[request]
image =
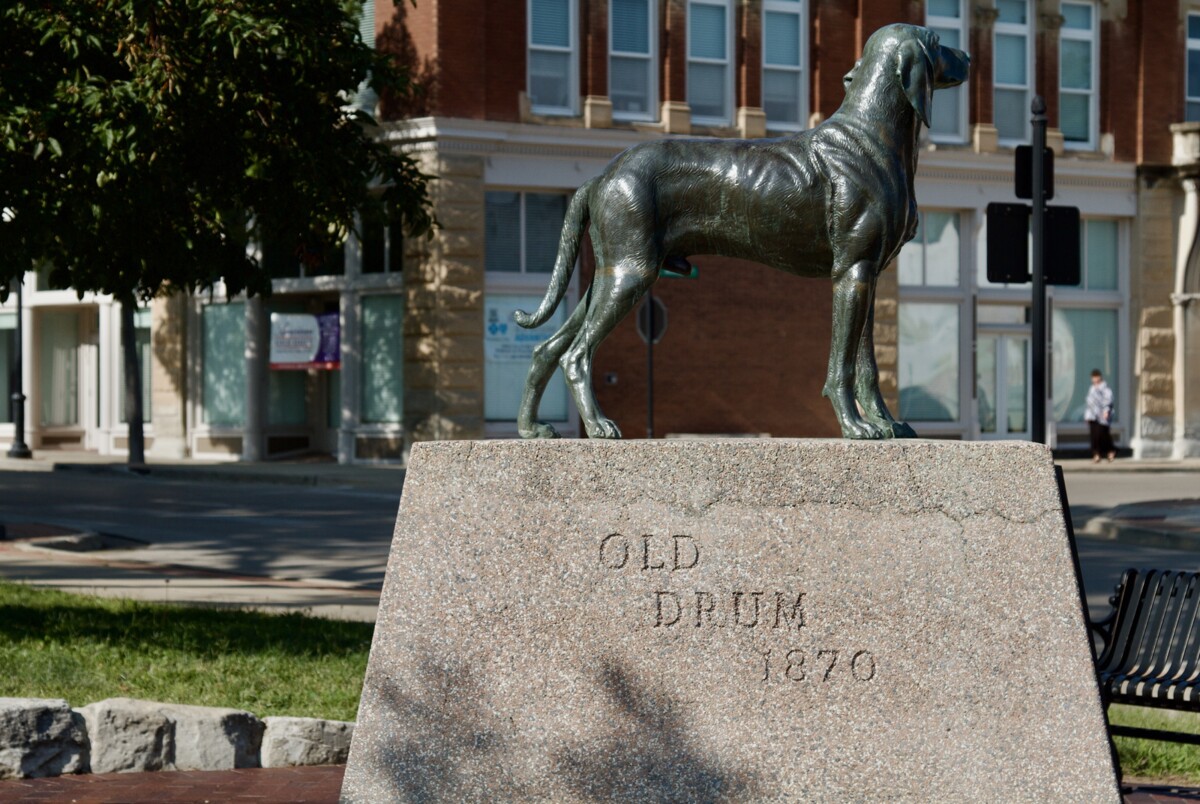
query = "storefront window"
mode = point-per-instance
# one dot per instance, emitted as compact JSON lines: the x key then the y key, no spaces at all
{"x":59,"y":368}
{"x":287,"y":402}
{"x":1083,"y":340}
{"x":931,"y":258}
{"x":929,"y":387}
{"x":224,"y":400}
{"x":507,"y":352}
{"x":383,"y":359}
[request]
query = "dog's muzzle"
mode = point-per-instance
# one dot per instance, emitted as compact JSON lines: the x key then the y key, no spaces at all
{"x":952,"y":67}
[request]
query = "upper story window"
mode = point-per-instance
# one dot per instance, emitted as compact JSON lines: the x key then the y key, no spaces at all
{"x":1192,"y":113}
{"x":1078,"y":75}
{"x":710,"y":62}
{"x":632,"y":74}
{"x":784,"y":88}
{"x":521,"y":231}
{"x":553,"y":64}
{"x":1013,"y":71}
{"x":948,"y":18}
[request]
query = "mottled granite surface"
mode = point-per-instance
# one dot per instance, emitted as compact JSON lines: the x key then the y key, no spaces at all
{"x":780,"y":620}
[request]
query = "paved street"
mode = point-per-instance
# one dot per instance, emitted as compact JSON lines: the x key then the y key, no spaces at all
{"x":316,"y":536}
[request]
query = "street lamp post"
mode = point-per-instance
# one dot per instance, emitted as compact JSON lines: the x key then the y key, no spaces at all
{"x":19,"y":448}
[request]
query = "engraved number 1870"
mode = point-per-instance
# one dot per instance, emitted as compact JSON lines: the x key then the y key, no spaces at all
{"x":824,"y":665}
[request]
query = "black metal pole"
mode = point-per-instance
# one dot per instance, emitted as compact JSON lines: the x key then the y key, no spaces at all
{"x":649,"y":365}
{"x":19,"y":448}
{"x":1037,"y":385}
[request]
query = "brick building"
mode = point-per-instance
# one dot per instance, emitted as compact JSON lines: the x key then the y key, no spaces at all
{"x":520,"y":101}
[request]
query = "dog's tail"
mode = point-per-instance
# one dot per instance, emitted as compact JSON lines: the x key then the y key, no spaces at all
{"x":564,"y":265}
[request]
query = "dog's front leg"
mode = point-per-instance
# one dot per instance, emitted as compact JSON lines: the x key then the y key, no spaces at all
{"x":851,"y":312}
{"x":866,"y":380}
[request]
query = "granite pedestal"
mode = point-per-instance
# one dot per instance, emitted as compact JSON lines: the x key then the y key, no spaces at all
{"x":783,"y":620}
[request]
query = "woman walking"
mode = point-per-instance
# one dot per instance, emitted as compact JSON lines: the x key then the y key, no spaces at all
{"x":1098,"y":415}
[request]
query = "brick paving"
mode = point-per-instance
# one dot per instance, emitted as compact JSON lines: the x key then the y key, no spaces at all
{"x":316,"y":785}
{"x":312,"y":785}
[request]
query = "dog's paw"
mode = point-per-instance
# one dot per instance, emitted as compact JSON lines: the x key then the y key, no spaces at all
{"x":862,"y":430}
{"x":539,"y":430}
{"x":603,"y":428}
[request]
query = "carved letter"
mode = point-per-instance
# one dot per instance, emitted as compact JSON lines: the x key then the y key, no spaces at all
{"x":796,"y":615}
{"x":658,"y":600}
{"x":829,"y":669}
{"x":695,"y":552}
{"x":705,"y":603}
{"x":646,"y":565}
{"x":866,"y":670}
{"x":622,"y":546}
{"x":795,"y":665}
{"x":737,"y":608}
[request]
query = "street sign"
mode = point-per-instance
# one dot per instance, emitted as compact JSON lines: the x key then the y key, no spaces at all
{"x":1008,"y":249}
{"x":1024,"y":172}
{"x":652,"y":324}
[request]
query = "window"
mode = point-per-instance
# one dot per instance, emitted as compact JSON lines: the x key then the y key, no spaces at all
{"x":1013,"y":56}
{"x":949,"y":20}
{"x":710,"y":73}
{"x":8,"y":364}
{"x":1085,"y":325}
{"x":553,"y":87}
{"x":382,"y":359}
{"x":521,"y":231}
{"x":1192,"y":113}
{"x":141,"y":337}
{"x":58,"y":366}
{"x":288,"y":259}
{"x":929,"y":378}
{"x":1078,"y":75}
{"x":508,"y":350}
{"x":224,"y":336}
{"x":785,"y":99}
{"x":382,"y":246}
{"x":931,"y":258}
{"x":632,"y":74}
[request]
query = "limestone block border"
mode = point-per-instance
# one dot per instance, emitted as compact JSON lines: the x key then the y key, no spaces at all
{"x":45,"y":737}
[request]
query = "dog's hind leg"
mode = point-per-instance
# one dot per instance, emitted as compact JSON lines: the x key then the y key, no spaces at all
{"x":866,"y":381}
{"x":852,"y":284}
{"x":545,"y":359}
{"x":615,"y":292}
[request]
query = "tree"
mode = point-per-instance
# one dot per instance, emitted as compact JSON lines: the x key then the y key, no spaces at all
{"x":144,"y":142}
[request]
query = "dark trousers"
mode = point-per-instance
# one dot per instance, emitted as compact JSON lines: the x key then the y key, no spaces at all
{"x":1102,"y":443}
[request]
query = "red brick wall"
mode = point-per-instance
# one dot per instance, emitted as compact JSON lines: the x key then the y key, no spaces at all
{"x":1161,"y":74}
{"x":672,"y":50}
{"x":594,"y":37}
{"x":745,"y":351}
{"x":834,"y":50}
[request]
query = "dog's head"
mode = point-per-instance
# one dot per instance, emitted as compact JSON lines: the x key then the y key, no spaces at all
{"x":916,"y":58}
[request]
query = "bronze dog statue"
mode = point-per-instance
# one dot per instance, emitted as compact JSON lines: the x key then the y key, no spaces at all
{"x":834,"y":201}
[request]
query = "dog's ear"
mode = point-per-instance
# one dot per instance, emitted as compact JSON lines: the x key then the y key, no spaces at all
{"x":915,"y":73}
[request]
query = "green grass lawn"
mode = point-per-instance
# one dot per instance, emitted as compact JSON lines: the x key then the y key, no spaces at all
{"x":85,"y":649}
{"x":1154,"y":759}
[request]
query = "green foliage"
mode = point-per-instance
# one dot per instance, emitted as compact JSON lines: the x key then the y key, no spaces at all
{"x":1156,"y":759}
{"x":139,"y":139}
{"x":84,"y":649}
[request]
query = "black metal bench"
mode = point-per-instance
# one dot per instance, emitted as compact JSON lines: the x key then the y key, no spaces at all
{"x":1151,"y":647}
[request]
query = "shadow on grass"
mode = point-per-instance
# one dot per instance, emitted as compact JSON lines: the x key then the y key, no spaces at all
{"x":46,"y":616}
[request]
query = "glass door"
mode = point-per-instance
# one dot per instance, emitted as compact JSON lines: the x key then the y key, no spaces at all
{"x":1002,"y":384}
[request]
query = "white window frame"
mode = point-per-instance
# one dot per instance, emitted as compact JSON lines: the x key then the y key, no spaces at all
{"x":961,"y":25}
{"x":651,"y":59}
{"x":1192,"y":45}
{"x":798,"y":9}
{"x":1028,"y":32}
{"x":727,"y":62}
{"x":572,"y":51}
{"x":1092,"y":37}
